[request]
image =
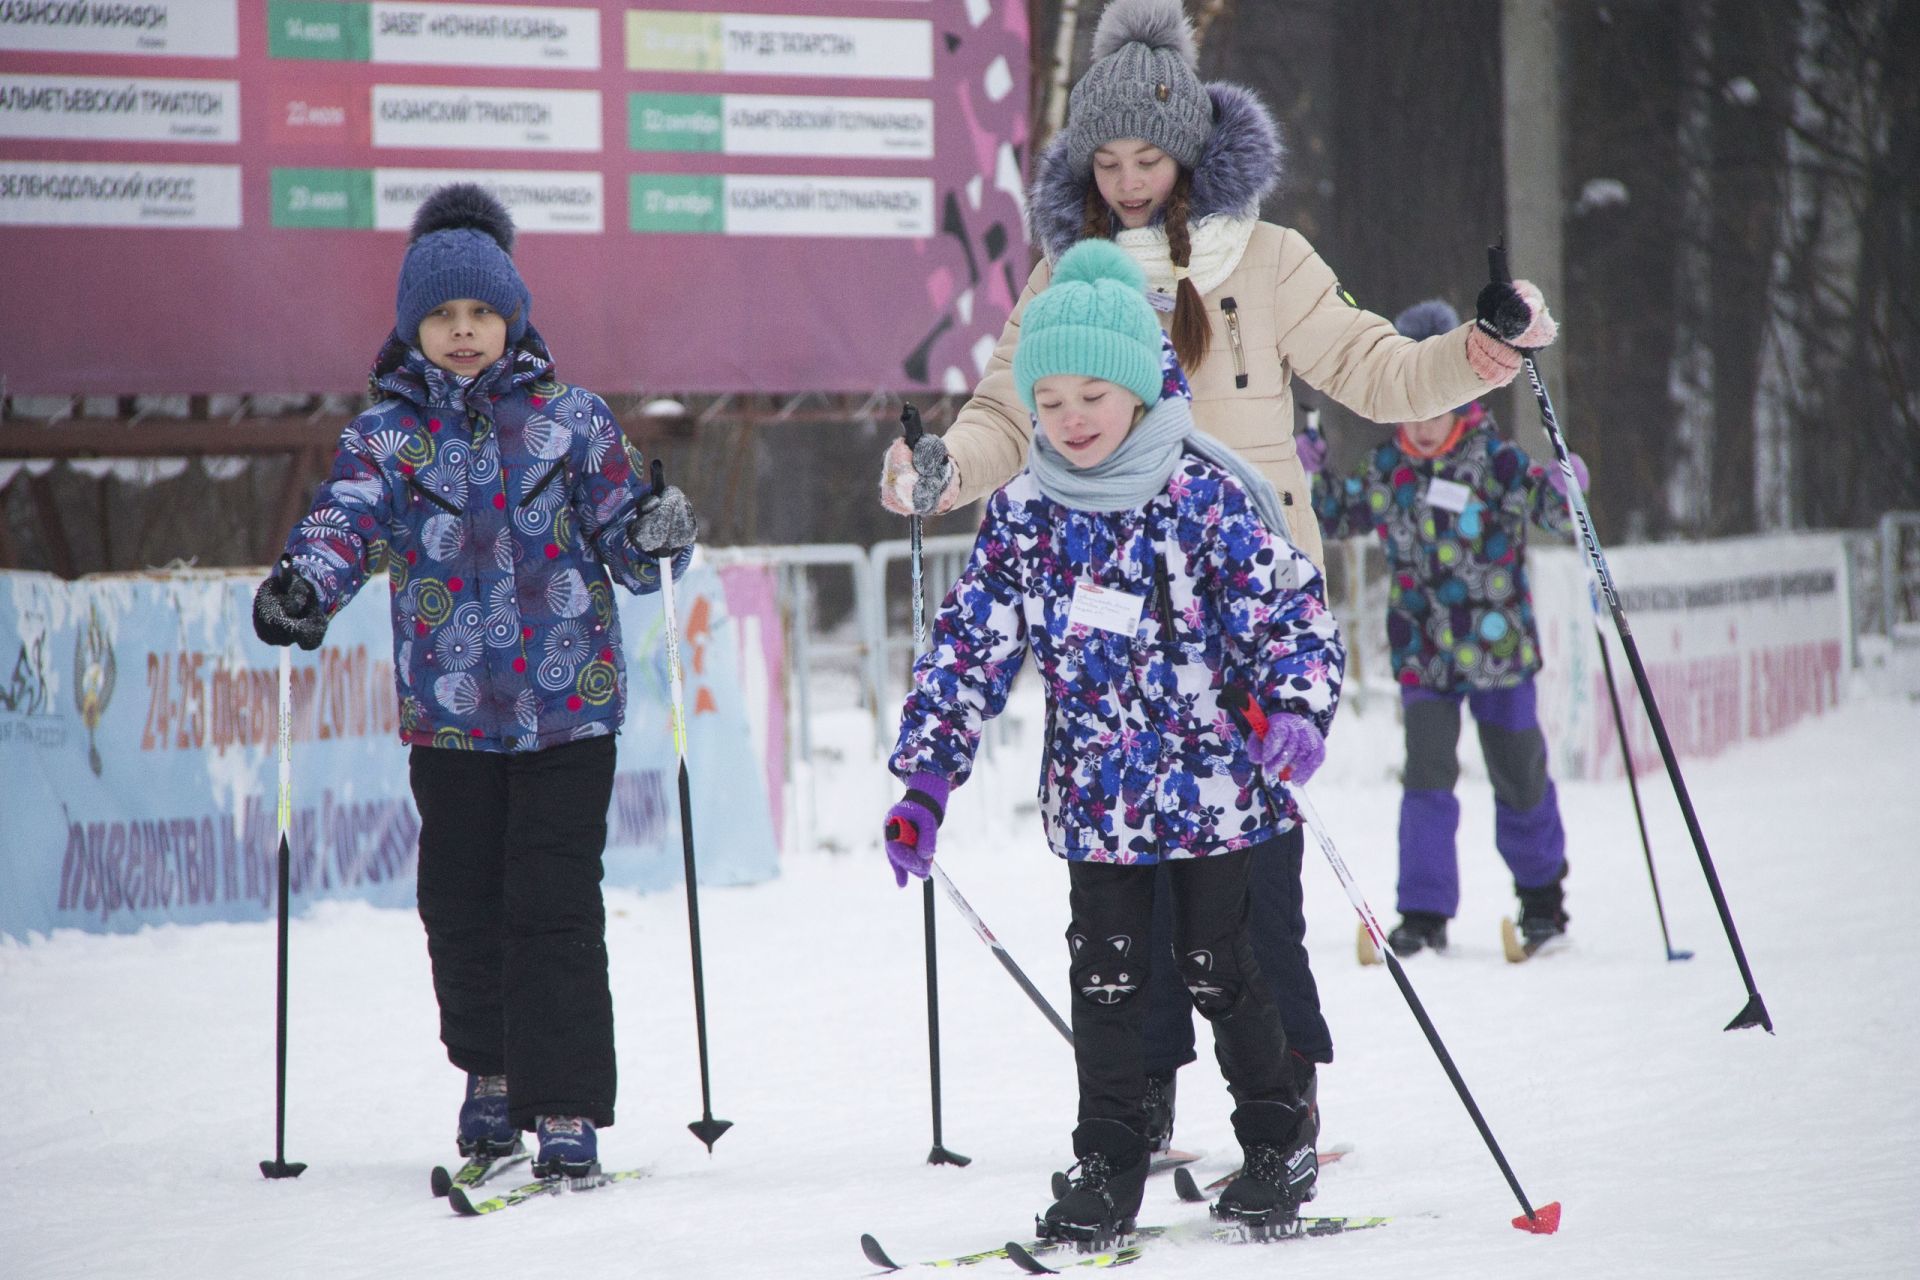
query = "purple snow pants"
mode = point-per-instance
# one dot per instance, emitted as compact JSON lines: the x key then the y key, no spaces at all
{"x":1526,"y":827}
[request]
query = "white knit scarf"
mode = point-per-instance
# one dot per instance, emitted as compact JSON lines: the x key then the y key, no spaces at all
{"x":1218,"y":242}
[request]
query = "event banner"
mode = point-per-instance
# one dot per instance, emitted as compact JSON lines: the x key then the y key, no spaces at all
{"x":812,"y":195}
{"x":138,"y":734}
{"x":1742,"y":639}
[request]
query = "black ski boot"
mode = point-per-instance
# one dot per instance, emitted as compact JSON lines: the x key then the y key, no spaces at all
{"x":1103,"y":1190}
{"x":1418,"y":931}
{"x":1279,"y":1172}
{"x":1159,"y":1123}
{"x":1306,"y":1083}
{"x":1542,"y":915}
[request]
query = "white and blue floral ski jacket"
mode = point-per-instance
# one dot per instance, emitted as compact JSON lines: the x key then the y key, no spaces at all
{"x":1141,"y":761}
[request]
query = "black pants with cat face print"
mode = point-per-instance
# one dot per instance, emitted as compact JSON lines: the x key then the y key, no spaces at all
{"x":1111,"y":963}
{"x":1278,"y":926}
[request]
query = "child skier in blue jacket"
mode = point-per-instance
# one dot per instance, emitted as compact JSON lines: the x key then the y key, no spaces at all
{"x":499,"y":500}
{"x":1145,"y":568}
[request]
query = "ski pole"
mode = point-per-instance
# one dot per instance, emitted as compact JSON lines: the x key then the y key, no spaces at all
{"x":904,"y":831}
{"x":706,"y":1128}
{"x":912,"y":430}
{"x":1633,"y":785}
{"x":1542,"y":1221}
{"x":1754,"y":1013}
{"x":1001,"y":953}
{"x":278,"y":1167}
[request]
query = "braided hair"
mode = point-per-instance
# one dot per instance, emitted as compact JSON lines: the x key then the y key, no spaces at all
{"x":1189,"y":329}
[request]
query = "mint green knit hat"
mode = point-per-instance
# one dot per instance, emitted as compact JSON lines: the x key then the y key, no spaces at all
{"x":1093,"y":320}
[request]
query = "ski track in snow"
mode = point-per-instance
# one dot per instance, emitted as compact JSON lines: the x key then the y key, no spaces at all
{"x":140,"y":1068}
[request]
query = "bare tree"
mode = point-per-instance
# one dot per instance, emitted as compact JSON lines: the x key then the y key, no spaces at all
{"x":1059,"y":73}
{"x":1837,"y":425}
{"x":1205,"y":14}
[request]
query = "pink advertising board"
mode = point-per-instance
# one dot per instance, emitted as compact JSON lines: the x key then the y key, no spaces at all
{"x":757,"y":195}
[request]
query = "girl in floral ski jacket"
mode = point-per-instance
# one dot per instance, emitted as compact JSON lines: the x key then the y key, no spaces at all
{"x":499,"y":500}
{"x":1176,"y":171}
{"x":1143,"y":566}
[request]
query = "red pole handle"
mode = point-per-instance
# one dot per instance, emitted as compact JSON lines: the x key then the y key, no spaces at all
{"x":1238,"y":702}
{"x":900,"y":831}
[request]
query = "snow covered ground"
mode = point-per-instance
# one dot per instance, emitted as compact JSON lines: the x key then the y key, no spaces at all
{"x":139,"y":1070}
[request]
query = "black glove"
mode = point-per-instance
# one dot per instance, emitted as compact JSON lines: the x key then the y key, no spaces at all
{"x":1501,"y":312}
{"x":664,"y":524}
{"x":286,"y":610}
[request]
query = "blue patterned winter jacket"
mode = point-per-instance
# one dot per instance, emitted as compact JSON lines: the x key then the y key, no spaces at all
{"x":1459,"y":611}
{"x":1141,"y":761}
{"x":498,"y":507}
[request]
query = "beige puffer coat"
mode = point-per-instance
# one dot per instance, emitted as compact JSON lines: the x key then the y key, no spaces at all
{"x":1280,"y":314}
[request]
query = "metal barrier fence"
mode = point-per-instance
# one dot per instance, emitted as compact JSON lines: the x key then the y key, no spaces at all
{"x":807,"y":645}
{"x":871,"y":646}
{"x":866,"y":649}
{"x":1900,"y":574}
{"x":890,"y":626}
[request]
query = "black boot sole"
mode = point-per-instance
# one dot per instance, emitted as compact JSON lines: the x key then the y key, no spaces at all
{"x":1088,"y":1239}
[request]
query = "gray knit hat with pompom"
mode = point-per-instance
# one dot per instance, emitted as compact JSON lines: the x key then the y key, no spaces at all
{"x":1143,"y":84}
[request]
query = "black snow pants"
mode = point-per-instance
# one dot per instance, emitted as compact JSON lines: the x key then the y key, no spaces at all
{"x":1111,"y":962}
{"x":1277,"y":927}
{"x":509,"y":889}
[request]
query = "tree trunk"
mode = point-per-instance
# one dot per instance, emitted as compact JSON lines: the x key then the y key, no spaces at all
{"x":1531,"y":84}
{"x":1689,"y":487}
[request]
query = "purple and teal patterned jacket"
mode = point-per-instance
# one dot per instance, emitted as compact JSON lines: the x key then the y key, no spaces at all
{"x":1459,"y":612}
{"x":498,"y":507}
{"x":1141,"y":763}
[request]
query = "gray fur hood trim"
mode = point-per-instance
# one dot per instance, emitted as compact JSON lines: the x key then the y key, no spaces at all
{"x":1241,"y":165}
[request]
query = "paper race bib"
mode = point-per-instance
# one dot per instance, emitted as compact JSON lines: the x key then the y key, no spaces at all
{"x":1293,"y":574}
{"x":1105,"y":609}
{"x":1448,"y":495}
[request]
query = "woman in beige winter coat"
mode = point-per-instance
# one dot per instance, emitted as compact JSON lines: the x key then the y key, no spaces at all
{"x":1174,"y":171}
{"x":1257,"y":305}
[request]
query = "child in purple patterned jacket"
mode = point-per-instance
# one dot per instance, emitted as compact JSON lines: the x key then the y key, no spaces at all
{"x":1146,"y":568}
{"x":499,"y":500}
{"x":1451,"y":502}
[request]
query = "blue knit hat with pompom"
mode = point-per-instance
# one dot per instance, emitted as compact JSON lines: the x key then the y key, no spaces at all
{"x":1425,"y":319}
{"x":461,"y":247}
{"x":1093,"y":320}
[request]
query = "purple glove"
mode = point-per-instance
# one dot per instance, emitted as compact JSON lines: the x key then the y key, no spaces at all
{"x":913,"y":826}
{"x":1291,"y":749}
{"x":1311,"y":447}
{"x":1558,"y":479}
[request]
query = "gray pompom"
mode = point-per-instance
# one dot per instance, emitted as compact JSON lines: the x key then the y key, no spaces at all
{"x":464,"y":204}
{"x":1158,"y":24}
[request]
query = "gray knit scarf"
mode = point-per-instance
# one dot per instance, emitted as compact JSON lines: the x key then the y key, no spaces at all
{"x":1138,"y":471}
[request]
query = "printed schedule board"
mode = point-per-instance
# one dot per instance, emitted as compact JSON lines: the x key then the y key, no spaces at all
{"x":758,"y":195}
